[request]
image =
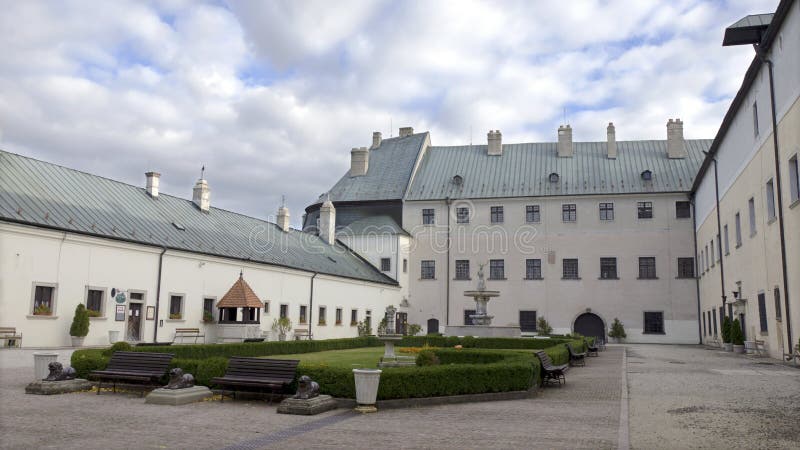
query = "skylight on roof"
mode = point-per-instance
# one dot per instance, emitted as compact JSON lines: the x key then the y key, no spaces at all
{"x":553,"y":177}
{"x":178,"y":226}
{"x":647,"y":175}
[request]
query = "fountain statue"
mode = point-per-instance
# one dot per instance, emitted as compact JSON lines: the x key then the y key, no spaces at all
{"x":389,"y":337}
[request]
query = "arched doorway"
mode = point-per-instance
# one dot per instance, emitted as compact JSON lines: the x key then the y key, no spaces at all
{"x":589,"y":324}
{"x":433,"y":326}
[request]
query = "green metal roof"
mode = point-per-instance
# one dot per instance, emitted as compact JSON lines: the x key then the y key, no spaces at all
{"x":523,"y":170}
{"x":47,"y":195}
{"x":373,"y":225}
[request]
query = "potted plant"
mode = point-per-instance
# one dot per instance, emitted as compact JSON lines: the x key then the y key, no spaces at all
{"x":42,"y":310}
{"x":737,"y":338}
{"x":282,"y":325}
{"x":80,"y":325}
{"x":726,"y":334}
{"x":367,"y":381}
{"x":208,"y":317}
{"x":364,"y":329}
{"x":617,"y":331}
{"x":175,"y":316}
{"x":543,"y":326}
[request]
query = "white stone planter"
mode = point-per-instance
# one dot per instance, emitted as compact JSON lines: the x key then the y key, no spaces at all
{"x":367,"y":381}
{"x":40,"y":363}
{"x":77,"y":341}
{"x":113,"y":336}
{"x":738,"y":349}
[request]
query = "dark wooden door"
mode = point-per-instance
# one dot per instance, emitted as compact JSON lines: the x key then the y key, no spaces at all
{"x":134,"y":322}
{"x":433,"y":326}
{"x":589,"y":324}
{"x":400,"y":323}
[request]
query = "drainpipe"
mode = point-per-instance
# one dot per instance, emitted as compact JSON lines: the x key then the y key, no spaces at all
{"x":447,"y":277}
{"x":719,"y":233}
{"x":158,"y":292}
{"x":696,"y":268}
{"x":779,"y":185}
{"x":311,"y":304}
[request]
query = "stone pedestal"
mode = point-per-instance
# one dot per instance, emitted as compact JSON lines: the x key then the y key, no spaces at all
{"x":177,"y":397}
{"x":58,"y":387}
{"x":40,"y":363}
{"x":307,"y":407}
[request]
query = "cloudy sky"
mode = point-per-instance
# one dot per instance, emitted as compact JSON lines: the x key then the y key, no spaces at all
{"x":271,"y":95}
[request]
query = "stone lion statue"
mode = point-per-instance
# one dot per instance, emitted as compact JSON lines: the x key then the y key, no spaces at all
{"x":306,"y":388}
{"x":59,"y":373}
{"x":179,"y":380}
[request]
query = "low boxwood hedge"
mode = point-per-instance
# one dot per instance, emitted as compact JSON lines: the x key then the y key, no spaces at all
{"x":197,"y":351}
{"x":481,"y":342}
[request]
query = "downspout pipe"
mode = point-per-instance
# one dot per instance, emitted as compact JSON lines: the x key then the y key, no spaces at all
{"x":447,"y":276}
{"x":763,"y":57}
{"x":697,"y":269}
{"x":311,"y":304}
{"x":719,"y":241}
{"x":158,"y":292}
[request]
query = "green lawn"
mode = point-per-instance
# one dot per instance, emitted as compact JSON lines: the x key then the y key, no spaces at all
{"x":367,"y":357}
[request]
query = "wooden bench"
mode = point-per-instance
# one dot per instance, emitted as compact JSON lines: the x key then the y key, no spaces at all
{"x":714,"y":342}
{"x":188,"y":333}
{"x":592,"y":349}
{"x":258,"y":373}
{"x":755,"y":347}
{"x":551,"y":372}
{"x":300,"y":333}
{"x":576,"y":358}
{"x":600,"y":343}
{"x":10,"y":337}
{"x":143,"y":367}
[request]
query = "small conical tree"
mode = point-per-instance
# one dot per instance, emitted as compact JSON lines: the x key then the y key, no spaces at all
{"x":80,"y":323}
{"x":736,"y":333}
{"x":726,"y":330}
{"x":617,"y":330}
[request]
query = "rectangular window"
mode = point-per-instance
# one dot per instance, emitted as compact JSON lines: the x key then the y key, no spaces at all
{"x":704,"y":325}
{"x":175,"y":306}
{"x":705,"y":255}
{"x":712,"y":253}
{"x":321,"y":319}
{"x":303,"y":314}
{"x":719,"y":248}
{"x":653,"y":322}
{"x":569,"y":212}
{"x":338,"y":316}
{"x":462,"y":215}
{"x":721,"y":316}
{"x":647,"y":268}
{"x":644,"y":210}
{"x":368,"y":319}
{"x":353,"y":317}
{"x":527,"y":321}
{"x":712,"y":316}
{"x":533,"y":269}
{"x":497,"y":270}
{"x":683,"y":210}
{"x":686,"y":267}
{"x":794,"y":179}
{"x":427,"y":216}
{"x":777,"y":295}
{"x":751,"y":209}
{"x":532,"y":214}
{"x":608,"y":268}
{"x":755,"y":119}
{"x":467,"y":318}
{"x":738,"y":223}
{"x":496,"y":214}
{"x":208,"y":308}
{"x":606,"y":211}
{"x":770,"y":200}
{"x":727,"y":241}
{"x":428,"y":269}
{"x":570,"y":269}
{"x":405,"y":265}
{"x":762,"y":311}
{"x":284,"y":312}
{"x":462,"y":269}
{"x":43,"y":304}
{"x":386,"y":264}
{"x":94,"y":301}
{"x":700,"y":265}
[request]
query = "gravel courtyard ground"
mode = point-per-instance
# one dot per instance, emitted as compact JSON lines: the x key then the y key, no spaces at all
{"x":680,"y":397}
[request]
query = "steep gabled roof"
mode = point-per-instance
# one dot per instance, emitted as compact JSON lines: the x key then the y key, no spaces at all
{"x":47,"y":195}
{"x":240,"y":295}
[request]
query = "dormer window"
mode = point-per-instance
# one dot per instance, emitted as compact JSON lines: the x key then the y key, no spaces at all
{"x":178,"y":226}
{"x":458,"y":180}
{"x":553,"y":177}
{"x":647,"y":175}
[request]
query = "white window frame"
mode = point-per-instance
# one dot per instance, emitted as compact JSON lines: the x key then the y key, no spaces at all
{"x":53,"y":301}
{"x":794,"y":179}
{"x":769,"y":189}
{"x":103,"y":299}
{"x":183,"y":305}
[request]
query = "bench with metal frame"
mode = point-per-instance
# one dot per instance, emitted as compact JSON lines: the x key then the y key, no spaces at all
{"x":258,"y":374}
{"x":793,"y":357}
{"x":551,"y":372}
{"x":300,"y":333}
{"x":10,"y":337}
{"x":137,"y":367}
{"x":576,"y":358}
{"x":188,"y":333}
{"x":592,"y":349}
{"x":755,"y":347}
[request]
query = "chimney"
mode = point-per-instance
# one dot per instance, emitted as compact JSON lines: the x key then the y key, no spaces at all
{"x":152,"y":183}
{"x":495,"y":139}
{"x":565,"y":141}
{"x":359,"y":161}
{"x":327,"y":222}
{"x":611,"y":144}
{"x":283,"y":218}
{"x":676,"y":146}
{"x":201,"y":195}
{"x":376,"y":139}
{"x":406,"y":131}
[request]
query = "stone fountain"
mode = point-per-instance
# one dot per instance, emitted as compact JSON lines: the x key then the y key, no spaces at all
{"x":481,"y":320}
{"x":389,"y":337}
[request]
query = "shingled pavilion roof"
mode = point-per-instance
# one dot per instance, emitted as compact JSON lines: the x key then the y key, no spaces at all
{"x":240,"y":295}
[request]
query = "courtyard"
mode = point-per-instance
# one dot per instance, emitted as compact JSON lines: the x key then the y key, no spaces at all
{"x":677,"y":397}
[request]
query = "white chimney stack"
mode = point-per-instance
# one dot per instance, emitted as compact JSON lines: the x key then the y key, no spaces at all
{"x":676,"y":146}
{"x":565,"y":141}
{"x":377,"y":137}
{"x":495,"y":139}
{"x":327,"y":222}
{"x":283,"y":218}
{"x":359,"y":161}
{"x":611,"y":144}
{"x":152,"y":183}
{"x":406,"y":131}
{"x":201,"y":195}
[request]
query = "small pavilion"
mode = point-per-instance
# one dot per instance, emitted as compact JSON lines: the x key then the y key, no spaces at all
{"x":239,"y":313}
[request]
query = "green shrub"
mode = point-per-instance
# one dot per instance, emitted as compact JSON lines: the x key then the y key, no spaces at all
{"x":736,"y":332}
{"x":203,"y":370}
{"x":80,"y":322}
{"x":413,"y":329}
{"x":427,"y":358}
{"x":726,"y":330}
{"x":543,"y":326}
{"x":617,"y":330}
{"x":471,"y":342}
{"x":85,"y":361}
{"x":364,"y":329}
{"x":199,"y":351}
{"x":120,"y":346}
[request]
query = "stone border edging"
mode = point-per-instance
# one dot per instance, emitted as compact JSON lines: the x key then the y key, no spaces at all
{"x":443,"y":400}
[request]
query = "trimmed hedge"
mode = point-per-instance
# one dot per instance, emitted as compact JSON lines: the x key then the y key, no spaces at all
{"x":472,"y":342}
{"x":200,"y":351}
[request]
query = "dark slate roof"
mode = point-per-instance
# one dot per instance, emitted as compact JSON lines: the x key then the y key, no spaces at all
{"x":372,"y":225}
{"x":43,"y":194}
{"x":388,"y":174}
{"x":523,"y":170}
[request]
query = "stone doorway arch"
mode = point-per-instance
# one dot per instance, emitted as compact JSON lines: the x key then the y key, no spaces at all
{"x":433,"y":326}
{"x":589,"y":324}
